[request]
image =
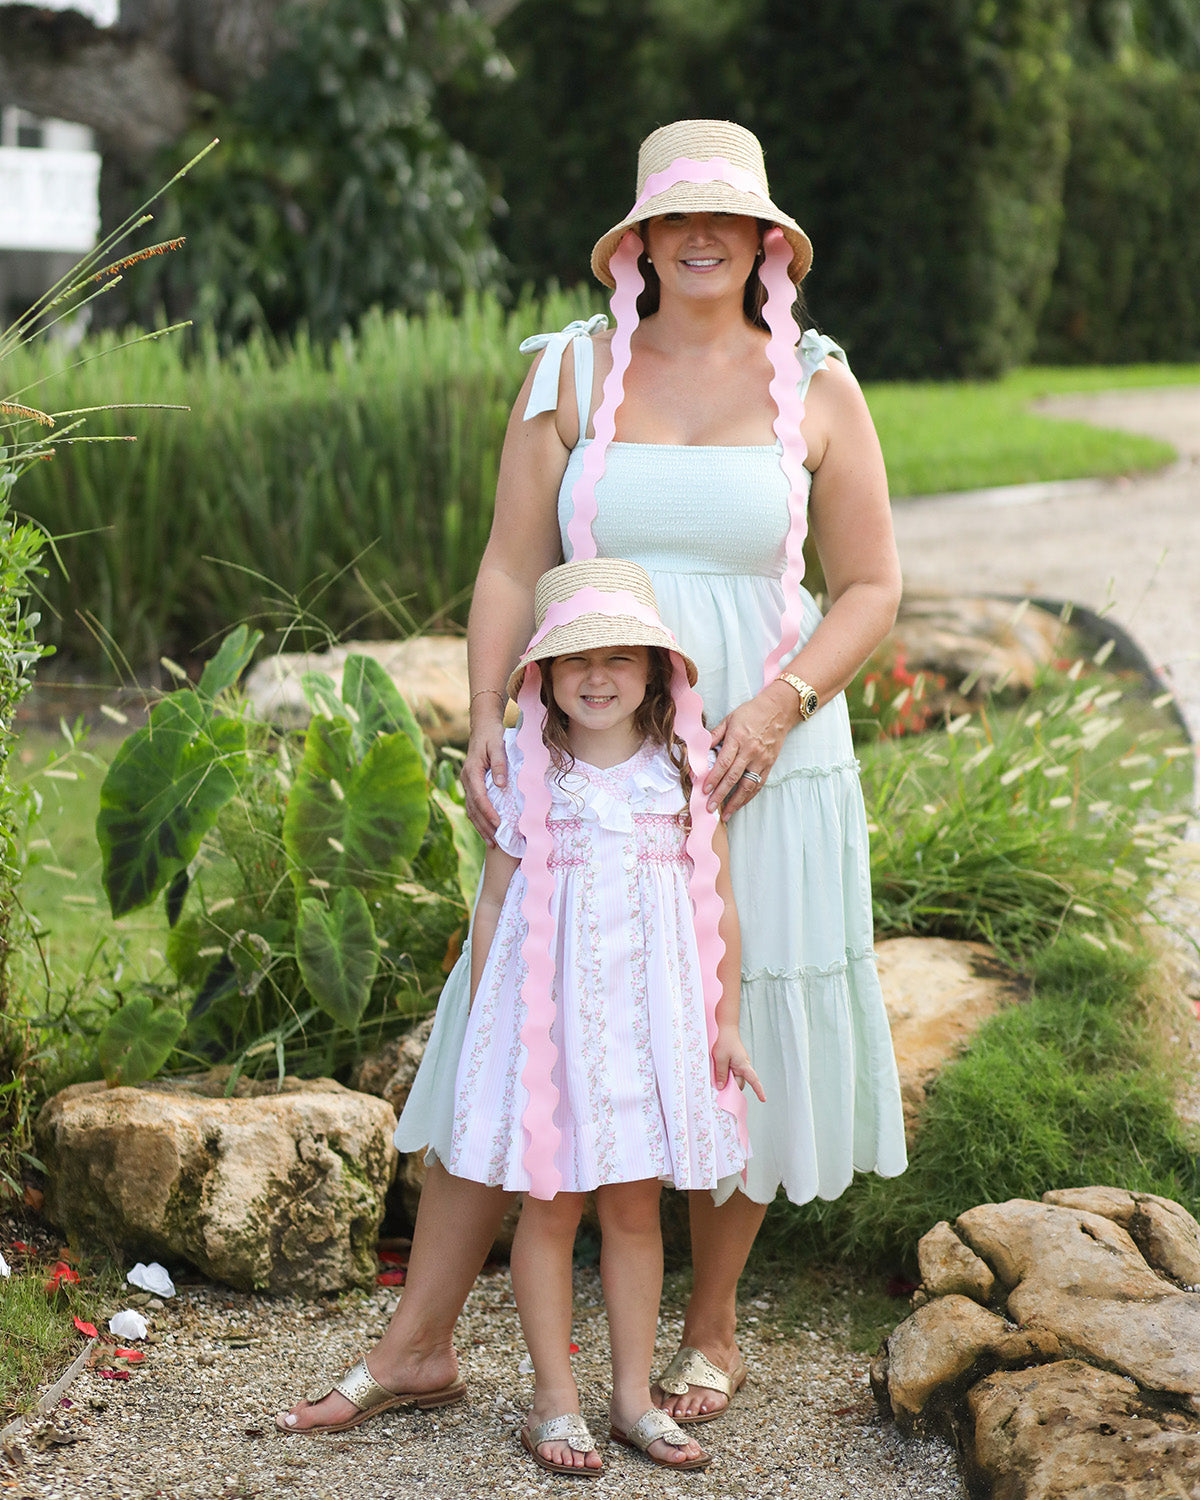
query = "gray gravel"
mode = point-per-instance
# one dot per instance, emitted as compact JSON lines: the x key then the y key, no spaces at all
{"x":194,"y":1422}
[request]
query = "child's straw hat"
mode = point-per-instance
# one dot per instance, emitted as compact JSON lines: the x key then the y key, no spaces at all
{"x":700,"y":141}
{"x":592,"y":628}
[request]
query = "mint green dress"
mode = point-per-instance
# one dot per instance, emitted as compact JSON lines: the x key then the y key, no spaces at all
{"x":709,"y":524}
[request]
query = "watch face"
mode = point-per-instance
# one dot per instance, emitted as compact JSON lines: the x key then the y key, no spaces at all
{"x":808,"y":704}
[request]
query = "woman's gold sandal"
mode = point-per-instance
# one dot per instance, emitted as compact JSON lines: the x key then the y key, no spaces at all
{"x":690,"y":1367}
{"x":655,"y":1426}
{"x":361,"y":1389}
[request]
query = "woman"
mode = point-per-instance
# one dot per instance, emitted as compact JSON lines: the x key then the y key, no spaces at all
{"x":714,"y":437}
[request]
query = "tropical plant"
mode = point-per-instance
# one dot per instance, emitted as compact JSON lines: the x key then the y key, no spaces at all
{"x":315,"y":894}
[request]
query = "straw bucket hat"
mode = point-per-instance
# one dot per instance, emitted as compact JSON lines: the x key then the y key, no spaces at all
{"x":591,"y":629}
{"x":700,"y":141}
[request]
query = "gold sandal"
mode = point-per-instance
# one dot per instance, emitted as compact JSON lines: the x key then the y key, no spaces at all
{"x":571,"y":1429}
{"x":361,"y":1389}
{"x":655,"y":1426}
{"x":690,"y":1367}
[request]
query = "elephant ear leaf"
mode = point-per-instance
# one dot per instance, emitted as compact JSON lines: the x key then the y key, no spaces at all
{"x":338,"y":954}
{"x":229,"y":663}
{"x":378,"y":705}
{"x":468,"y":846}
{"x":137,"y":1040}
{"x":352,"y":823}
{"x":163,"y":792}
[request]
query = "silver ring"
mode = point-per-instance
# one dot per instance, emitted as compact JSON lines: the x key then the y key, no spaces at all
{"x":752,"y":776}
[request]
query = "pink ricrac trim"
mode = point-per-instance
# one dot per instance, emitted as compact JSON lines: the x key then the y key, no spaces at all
{"x":687,"y":169}
{"x":629,"y":283}
{"x":785,"y":390}
{"x":537,"y":948}
{"x":590,"y":601}
{"x":702,"y":885}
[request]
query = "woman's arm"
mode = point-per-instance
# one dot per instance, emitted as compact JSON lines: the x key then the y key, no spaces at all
{"x":498,"y":870}
{"x":523,"y":543}
{"x":851,"y":521}
{"x":729,"y":1051}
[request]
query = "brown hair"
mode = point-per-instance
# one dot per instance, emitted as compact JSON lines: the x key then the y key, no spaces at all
{"x":654,"y":718}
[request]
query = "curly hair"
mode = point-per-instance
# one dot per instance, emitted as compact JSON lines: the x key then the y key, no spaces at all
{"x":654,"y":719}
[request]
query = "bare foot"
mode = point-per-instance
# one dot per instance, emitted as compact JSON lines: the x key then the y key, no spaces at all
{"x":701,"y":1402}
{"x":416,"y":1375}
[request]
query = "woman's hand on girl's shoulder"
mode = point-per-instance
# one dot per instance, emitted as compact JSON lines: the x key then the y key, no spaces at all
{"x":485,"y":753}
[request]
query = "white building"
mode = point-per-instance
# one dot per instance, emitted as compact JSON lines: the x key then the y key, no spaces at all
{"x":49,"y":190}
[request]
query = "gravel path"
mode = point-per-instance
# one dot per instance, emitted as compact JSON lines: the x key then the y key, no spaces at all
{"x":193,"y":1422}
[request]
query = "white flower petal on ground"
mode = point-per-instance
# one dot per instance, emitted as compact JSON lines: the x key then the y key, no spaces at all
{"x":4,"y":1267}
{"x":128,"y":1325}
{"x":152,"y":1278}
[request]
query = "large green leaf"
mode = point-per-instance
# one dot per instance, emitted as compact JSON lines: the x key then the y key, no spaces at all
{"x":350,"y":822}
{"x":378,"y":705}
{"x":162,"y":794}
{"x":338,"y":954}
{"x":230,"y":661}
{"x":137,"y":1040}
{"x":468,"y":846}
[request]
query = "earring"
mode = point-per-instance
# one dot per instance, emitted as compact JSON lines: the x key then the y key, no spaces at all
{"x":649,"y":262}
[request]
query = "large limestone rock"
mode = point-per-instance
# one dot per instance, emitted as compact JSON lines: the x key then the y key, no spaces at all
{"x":987,"y":643}
{"x":938,"y":993}
{"x":430,"y":672}
{"x":276,"y":1191}
{"x":1059,"y":1342}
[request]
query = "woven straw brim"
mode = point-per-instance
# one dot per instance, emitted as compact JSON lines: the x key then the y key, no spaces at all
{"x":706,"y":197}
{"x":592,"y":631}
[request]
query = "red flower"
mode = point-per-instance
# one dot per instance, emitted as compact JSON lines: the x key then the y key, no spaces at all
{"x":59,"y":1273}
{"x":390,"y":1278}
{"x":86,"y":1328}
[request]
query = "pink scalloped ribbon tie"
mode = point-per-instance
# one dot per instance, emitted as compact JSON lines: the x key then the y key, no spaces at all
{"x":537,"y":947}
{"x":581,"y":542}
{"x":785,"y":391}
{"x":702,"y":883}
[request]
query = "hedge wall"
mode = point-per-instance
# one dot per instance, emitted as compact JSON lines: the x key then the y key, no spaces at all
{"x":921,"y":143}
{"x":1127,"y":285}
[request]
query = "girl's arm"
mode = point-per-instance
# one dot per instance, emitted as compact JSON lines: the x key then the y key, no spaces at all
{"x":729,"y":1051}
{"x":498,"y":869}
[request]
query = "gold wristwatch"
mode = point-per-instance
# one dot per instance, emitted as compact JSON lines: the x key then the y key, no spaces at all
{"x":809,"y":702}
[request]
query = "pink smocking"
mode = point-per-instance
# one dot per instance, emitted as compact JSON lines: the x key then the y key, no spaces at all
{"x":785,"y":391}
{"x":629,"y":283}
{"x":537,"y":948}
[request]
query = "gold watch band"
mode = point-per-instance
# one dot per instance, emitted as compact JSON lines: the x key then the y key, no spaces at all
{"x":809,"y":702}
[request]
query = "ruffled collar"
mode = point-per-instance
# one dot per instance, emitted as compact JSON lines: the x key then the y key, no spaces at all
{"x":613,"y":795}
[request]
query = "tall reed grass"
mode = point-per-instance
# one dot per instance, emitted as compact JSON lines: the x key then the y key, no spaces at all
{"x":354,"y":481}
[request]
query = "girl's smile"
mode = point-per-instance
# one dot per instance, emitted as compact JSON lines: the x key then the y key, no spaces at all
{"x":600,"y":691}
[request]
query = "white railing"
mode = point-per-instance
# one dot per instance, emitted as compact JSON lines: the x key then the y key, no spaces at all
{"x":49,"y":200}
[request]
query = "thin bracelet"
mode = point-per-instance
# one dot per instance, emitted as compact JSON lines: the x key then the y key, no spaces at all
{"x":503,"y":697}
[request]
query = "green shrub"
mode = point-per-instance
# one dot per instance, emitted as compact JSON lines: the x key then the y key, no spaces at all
{"x":314,"y":894}
{"x":1127,"y":283}
{"x":1062,"y":1090}
{"x":921,"y":145}
{"x":1017,"y":823}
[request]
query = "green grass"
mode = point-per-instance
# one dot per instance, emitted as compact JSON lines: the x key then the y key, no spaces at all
{"x":38,"y":1337}
{"x":1065,"y":1090}
{"x":975,"y":435}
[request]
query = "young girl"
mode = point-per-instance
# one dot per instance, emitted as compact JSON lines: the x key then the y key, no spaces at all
{"x":602,"y":1047}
